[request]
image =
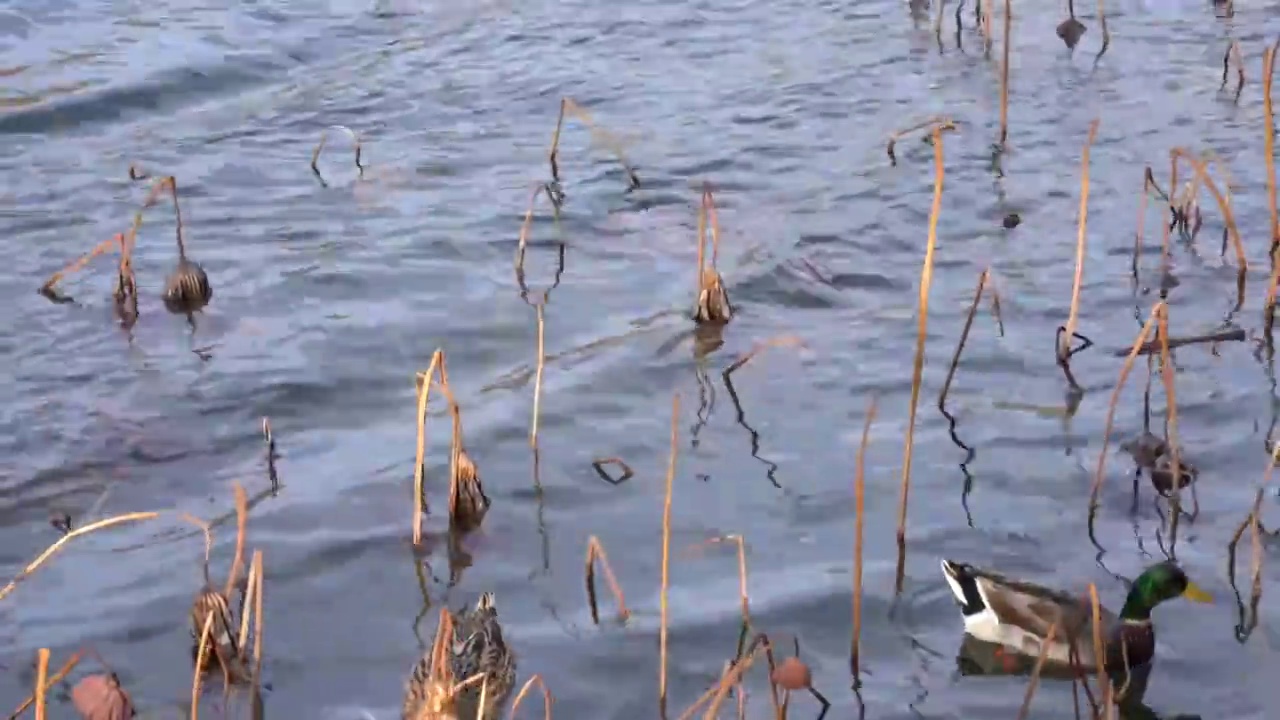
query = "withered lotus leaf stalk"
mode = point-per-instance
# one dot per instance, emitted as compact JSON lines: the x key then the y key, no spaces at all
{"x":859,"y":492}
{"x":666,"y":556}
{"x":926,"y":279}
{"x":713,"y":306}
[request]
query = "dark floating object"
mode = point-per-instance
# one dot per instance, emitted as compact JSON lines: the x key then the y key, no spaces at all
{"x":1071,"y":30}
{"x":1162,"y":474}
{"x":1012,"y":220}
{"x":1145,"y":449}
{"x":468,"y":503}
{"x":1151,"y":453}
{"x":187,"y":289}
{"x":100,"y":697}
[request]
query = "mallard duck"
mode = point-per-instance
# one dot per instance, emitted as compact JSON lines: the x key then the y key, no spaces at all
{"x":1017,"y":615}
{"x":468,"y":504}
{"x":477,"y":647}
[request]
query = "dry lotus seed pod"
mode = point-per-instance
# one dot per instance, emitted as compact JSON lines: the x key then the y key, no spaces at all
{"x":100,"y":697}
{"x":792,"y":675}
{"x":187,"y":289}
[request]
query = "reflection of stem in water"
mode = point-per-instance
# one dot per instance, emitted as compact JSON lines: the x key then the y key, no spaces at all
{"x":538,"y":497}
{"x":706,"y":401}
{"x":755,"y":436}
{"x":420,"y":570}
{"x":946,"y":389}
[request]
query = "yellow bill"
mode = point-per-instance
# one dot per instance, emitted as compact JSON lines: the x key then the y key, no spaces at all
{"x":1195,"y":593}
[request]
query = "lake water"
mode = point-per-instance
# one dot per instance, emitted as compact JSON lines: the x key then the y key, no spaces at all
{"x":328,"y":298}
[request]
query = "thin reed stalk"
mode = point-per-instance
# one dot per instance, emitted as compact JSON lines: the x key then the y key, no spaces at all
{"x":729,"y":680}
{"x":242,"y":524}
{"x":859,"y":496}
{"x":1034,"y":682}
{"x":596,"y":553}
{"x":1269,"y":145}
{"x":270,"y":440}
{"x":1125,"y":369}
{"x":1064,"y":346}
{"x":547,"y":697}
{"x":49,"y":552}
{"x":572,"y":109}
{"x":42,"y":680}
{"x":1004,"y":76}
{"x":1167,"y":376}
{"x":537,"y":378}
{"x":202,"y":656}
{"x":964,"y":338}
{"x":666,"y":557}
{"x":1099,"y":641}
{"x":1233,"y":51}
{"x":1106,"y":34}
{"x":926,"y":279}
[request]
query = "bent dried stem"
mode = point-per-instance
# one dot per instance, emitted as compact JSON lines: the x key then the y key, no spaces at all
{"x":425,"y":381}
{"x":574,"y":110}
{"x":939,"y":121}
{"x":859,"y":492}
{"x":1111,"y":412}
{"x":41,"y":559}
{"x":116,"y":241}
{"x":1106,"y":34}
{"x":926,"y":279}
{"x":547,"y":699}
{"x":324,"y":139}
{"x":964,"y":338}
{"x":1202,"y":176}
{"x":242,"y":522}
{"x":759,"y":347}
{"x":49,"y":683}
{"x":595,"y":552}
{"x":1034,"y":682}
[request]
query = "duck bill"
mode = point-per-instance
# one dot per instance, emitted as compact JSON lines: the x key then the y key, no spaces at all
{"x":1195,"y":593}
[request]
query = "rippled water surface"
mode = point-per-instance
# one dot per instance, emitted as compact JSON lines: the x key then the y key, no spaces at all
{"x":329,"y":298}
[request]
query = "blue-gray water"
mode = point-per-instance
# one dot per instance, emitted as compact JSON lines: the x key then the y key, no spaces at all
{"x":329,"y":299}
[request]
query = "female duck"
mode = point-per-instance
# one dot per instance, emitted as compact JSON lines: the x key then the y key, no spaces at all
{"x":477,"y":647}
{"x":1018,"y":615}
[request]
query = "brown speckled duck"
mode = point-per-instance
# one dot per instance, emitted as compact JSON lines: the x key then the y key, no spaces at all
{"x":476,"y":648}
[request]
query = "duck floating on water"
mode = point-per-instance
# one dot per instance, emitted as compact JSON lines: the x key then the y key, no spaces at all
{"x":1018,"y":615}
{"x":476,"y":648}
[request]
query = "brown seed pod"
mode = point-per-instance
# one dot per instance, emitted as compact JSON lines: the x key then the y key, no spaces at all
{"x":792,"y":675}
{"x":100,"y":697}
{"x":1070,"y":31}
{"x":187,"y":289}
